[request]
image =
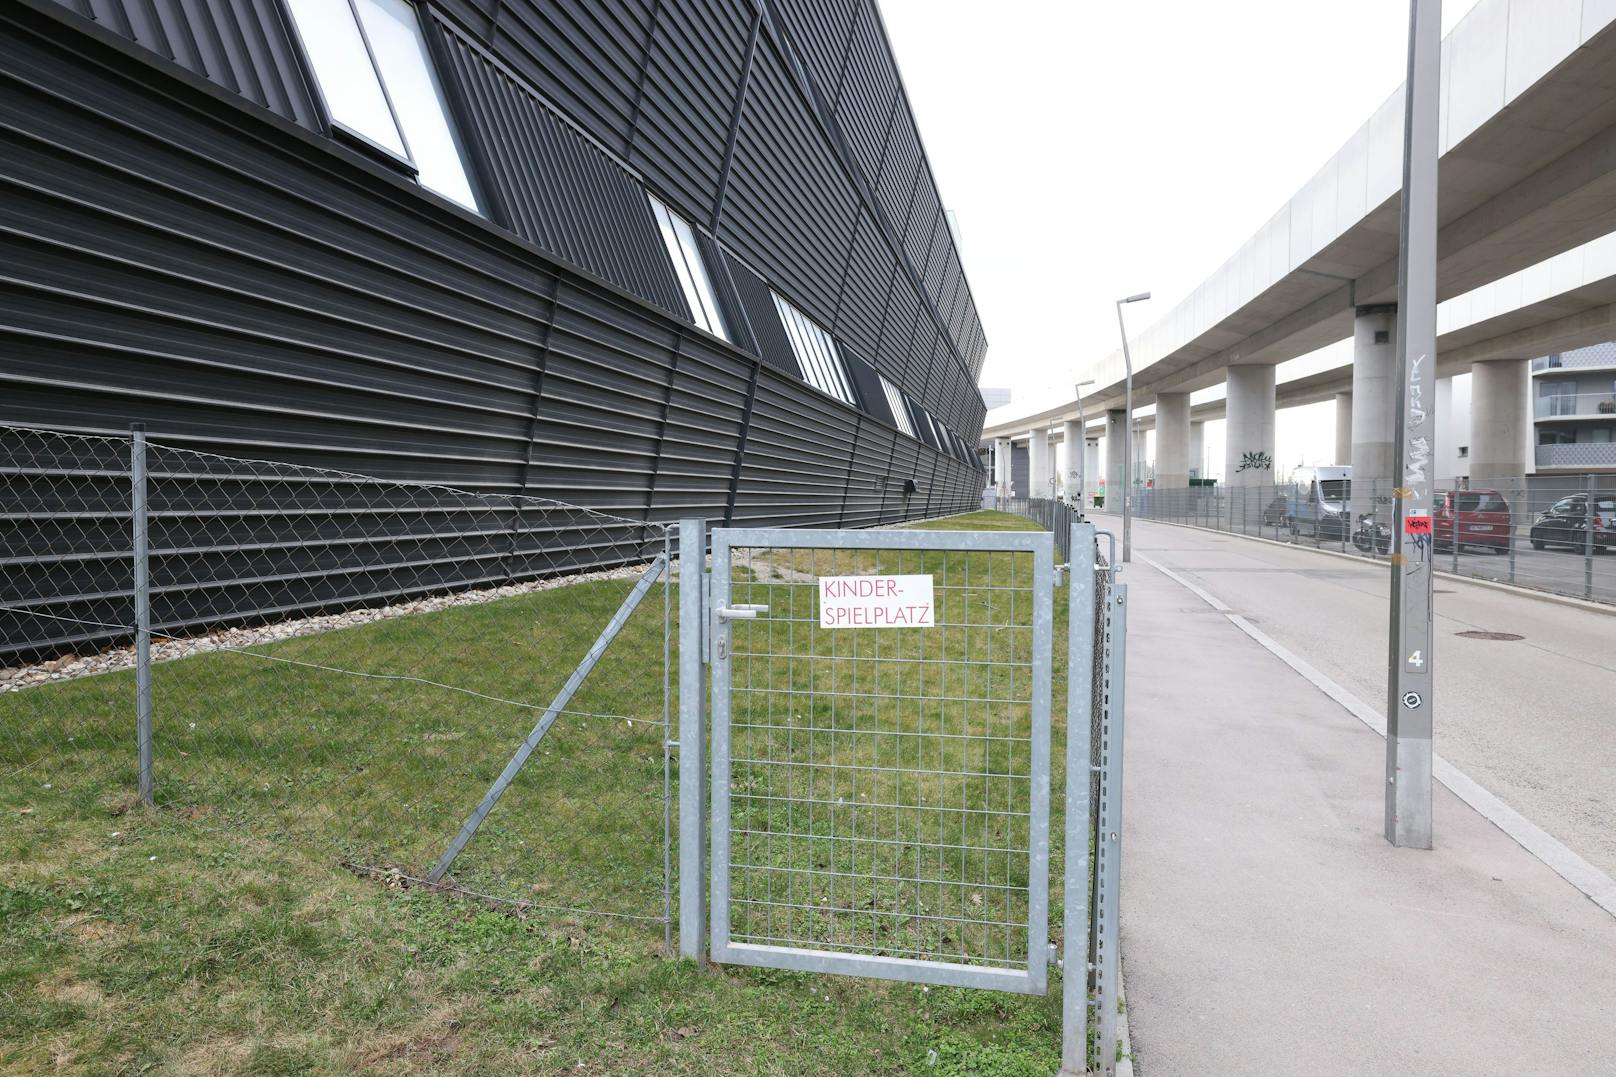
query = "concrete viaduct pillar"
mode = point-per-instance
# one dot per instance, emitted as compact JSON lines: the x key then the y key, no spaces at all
{"x":1198,"y":450}
{"x":1003,"y":463}
{"x":1091,"y":469}
{"x":1374,"y":404}
{"x":1500,"y":390}
{"x":1343,"y":428}
{"x":1038,"y":470}
{"x":1172,"y":441}
{"x":1249,"y":446}
{"x":1116,"y":449}
{"x":1072,"y":439}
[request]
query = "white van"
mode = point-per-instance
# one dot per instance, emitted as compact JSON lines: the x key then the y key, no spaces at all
{"x":1320,"y":501}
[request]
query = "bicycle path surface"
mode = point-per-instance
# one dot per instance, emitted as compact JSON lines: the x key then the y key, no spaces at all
{"x":1267,"y":926}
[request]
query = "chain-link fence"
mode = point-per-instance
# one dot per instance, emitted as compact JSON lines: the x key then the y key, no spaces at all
{"x":1552,"y":533}
{"x":357,"y":665}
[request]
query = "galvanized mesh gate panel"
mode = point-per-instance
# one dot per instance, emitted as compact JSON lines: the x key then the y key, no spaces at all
{"x":881,"y":795}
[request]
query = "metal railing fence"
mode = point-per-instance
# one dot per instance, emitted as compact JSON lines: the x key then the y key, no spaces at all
{"x":1095,"y":720}
{"x":357,"y":665}
{"x":1537,"y":534}
{"x":1052,"y":514}
{"x":472,"y":692}
{"x":885,"y":790}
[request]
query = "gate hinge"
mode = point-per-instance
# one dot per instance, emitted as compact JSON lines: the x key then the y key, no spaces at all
{"x":1054,"y":956}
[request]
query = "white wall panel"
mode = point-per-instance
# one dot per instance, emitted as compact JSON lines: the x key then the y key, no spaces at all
{"x":1352,"y":181}
{"x":1541,"y":34}
{"x":1386,"y":150}
{"x":1476,"y":63}
{"x":1596,"y":15}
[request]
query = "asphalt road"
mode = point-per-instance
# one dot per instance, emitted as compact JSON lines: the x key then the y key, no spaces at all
{"x":1533,"y":720}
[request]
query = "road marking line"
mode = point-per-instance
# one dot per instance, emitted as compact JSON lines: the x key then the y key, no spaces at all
{"x":1594,"y":884}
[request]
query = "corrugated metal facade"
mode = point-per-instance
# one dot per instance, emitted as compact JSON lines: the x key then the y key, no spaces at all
{"x":187,"y":246}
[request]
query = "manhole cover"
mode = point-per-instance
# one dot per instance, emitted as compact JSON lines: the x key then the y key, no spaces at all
{"x":1475,"y":633}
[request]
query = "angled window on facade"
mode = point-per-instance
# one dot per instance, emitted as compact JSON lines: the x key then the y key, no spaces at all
{"x":371,"y":62}
{"x":816,"y":353}
{"x":900,"y":414}
{"x":689,"y":268}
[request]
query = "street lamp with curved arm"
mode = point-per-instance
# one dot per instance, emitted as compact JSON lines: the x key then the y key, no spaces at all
{"x":1127,"y":459}
{"x":1082,"y":446}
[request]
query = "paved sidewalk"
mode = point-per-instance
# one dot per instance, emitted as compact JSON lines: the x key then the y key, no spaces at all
{"x":1267,"y":927}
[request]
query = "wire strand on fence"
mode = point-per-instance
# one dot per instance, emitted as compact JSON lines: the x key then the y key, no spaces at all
{"x":340,"y":660}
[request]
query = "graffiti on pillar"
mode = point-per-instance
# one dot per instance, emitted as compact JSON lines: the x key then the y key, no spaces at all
{"x":1419,"y":454}
{"x":1255,"y":461}
{"x":1419,"y":447}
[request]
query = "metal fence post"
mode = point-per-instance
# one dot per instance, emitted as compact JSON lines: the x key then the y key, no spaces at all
{"x":1514,"y":503}
{"x":1592,"y":485}
{"x":1108,"y":842}
{"x":142,"y":565}
{"x":1079,"y":699}
{"x":1454,"y":536}
{"x":692,"y":740}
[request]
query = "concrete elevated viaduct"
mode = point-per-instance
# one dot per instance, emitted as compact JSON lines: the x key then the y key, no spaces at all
{"x":1527,"y":201}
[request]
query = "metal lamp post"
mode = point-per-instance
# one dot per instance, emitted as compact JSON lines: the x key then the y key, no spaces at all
{"x":1412,"y":675}
{"x":1082,"y":446}
{"x":1127,"y":459}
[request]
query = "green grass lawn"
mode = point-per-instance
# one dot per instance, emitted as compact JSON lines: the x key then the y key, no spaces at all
{"x":220,"y":933}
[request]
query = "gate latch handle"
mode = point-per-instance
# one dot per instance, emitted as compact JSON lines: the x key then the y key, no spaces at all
{"x":744,"y":612}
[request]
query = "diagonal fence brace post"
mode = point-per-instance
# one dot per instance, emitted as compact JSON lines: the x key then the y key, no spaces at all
{"x":557,"y":705}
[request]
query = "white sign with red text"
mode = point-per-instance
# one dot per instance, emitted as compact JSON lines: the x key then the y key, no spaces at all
{"x":876,"y":602}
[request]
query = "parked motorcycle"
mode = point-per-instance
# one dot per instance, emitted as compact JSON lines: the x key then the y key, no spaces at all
{"x":1372,"y":536}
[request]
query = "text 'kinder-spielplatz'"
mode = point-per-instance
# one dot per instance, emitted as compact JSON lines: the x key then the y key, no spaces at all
{"x":876,"y":602}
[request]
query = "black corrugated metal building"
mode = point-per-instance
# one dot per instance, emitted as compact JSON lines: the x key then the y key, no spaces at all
{"x":657,"y":257}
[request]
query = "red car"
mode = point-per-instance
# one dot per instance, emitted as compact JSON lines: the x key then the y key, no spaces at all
{"x":1483,"y":518}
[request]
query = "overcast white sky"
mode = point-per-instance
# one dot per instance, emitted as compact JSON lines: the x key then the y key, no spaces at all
{"x":1095,"y":149}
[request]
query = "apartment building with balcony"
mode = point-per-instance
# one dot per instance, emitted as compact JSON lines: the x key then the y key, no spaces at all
{"x":1574,"y":410}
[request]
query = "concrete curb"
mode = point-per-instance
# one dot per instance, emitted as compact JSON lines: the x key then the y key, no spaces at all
{"x":1571,"y":601}
{"x":1124,"y":1040}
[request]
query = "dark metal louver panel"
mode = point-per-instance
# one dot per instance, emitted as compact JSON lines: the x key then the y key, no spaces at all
{"x":864,"y":289}
{"x":774,"y":347}
{"x":692,"y":77}
{"x":798,"y":457}
{"x":867,"y":475}
{"x":241,"y":45}
{"x":789,"y":210}
{"x":174,"y":257}
{"x":819,"y":30}
{"x":557,"y":189}
{"x":872,"y":397}
{"x":869,"y":93}
{"x":704,"y":421}
{"x":585,"y":56}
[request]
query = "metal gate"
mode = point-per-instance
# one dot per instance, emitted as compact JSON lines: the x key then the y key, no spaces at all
{"x":881,"y":753}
